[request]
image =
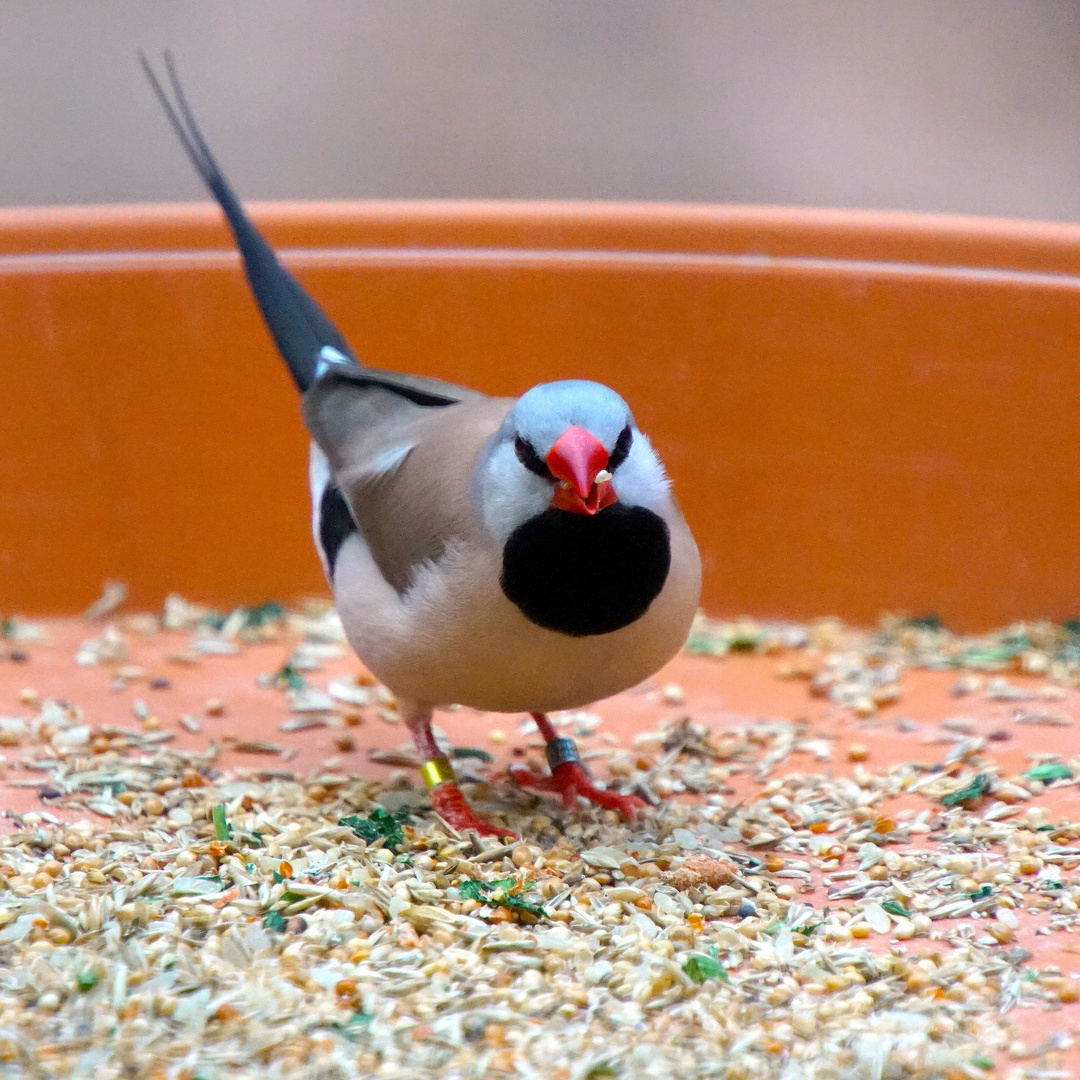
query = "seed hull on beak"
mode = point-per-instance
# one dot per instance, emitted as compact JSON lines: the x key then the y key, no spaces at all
{"x":599,"y":496}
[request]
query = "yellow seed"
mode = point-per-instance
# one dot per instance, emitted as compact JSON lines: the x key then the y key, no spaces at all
{"x":153,"y":806}
{"x":857,"y":752}
{"x":497,"y":735}
{"x":884,"y":825}
{"x":860,"y":930}
{"x":59,"y":936}
{"x":52,"y":867}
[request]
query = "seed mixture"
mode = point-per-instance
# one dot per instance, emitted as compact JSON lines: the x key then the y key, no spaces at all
{"x":184,"y":901}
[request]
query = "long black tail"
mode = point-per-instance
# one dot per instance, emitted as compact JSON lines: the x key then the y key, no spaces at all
{"x":300,"y":328}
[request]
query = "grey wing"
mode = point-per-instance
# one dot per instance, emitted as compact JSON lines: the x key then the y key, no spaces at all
{"x":404,"y":469}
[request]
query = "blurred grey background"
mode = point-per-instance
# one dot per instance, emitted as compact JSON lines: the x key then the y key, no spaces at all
{"x":968,"y":106}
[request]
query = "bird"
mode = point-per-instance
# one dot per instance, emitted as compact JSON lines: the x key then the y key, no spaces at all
{"x":511,"y":555}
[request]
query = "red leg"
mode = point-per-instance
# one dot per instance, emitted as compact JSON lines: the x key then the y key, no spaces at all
{"x":568,"y":777}
{"x":446,"y":796}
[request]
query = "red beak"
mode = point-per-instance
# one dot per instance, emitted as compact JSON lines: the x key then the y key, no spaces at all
{"x":575,"y":460}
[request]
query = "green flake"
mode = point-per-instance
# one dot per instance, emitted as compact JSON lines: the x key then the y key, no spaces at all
{"x":744,"y":642}
{"x":983,"y":893}
{"x":288,"y":676}
{"x":354,"y":1026}
{"x":703,"y":966}
{"x":1049,"y":771}
{"x":380,"y":824}
{"x":893,"y":907}
{"x":270,"y":612}
{"x":471,"y":752}
{"x":498,"y":893}
{"x":981,"y":1061}
{"x":222,"y":828}
{"x":274,"y":921}
{"x":86,"y":980}
{"x":603,"y":1068}
{"x":979,"y":786}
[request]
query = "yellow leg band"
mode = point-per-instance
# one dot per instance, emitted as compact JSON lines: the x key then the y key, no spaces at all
{"x":437,"y":771}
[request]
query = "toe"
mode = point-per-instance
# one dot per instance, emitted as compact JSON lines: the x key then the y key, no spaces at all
{"x":451,"y":806}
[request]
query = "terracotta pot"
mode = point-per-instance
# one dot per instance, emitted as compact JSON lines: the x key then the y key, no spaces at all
{"x":861,"y":412}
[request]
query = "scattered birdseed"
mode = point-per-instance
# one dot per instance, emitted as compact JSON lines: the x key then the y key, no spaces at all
{"x":205,"y":921}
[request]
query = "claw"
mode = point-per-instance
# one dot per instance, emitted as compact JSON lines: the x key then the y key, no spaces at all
{"x":570,"y":781}
{"x":451,"y":806}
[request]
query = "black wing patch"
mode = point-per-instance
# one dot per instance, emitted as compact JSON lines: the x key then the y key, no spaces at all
{"x":336,"y":524}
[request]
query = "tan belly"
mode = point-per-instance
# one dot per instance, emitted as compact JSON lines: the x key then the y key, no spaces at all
{"x":464,"y":643}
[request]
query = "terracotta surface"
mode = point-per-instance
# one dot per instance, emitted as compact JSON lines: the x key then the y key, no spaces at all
{"x":721,"y":694}
{"x":861,"y":412}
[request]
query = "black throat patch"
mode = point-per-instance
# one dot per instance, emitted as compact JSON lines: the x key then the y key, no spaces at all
{"x":581,"y":575}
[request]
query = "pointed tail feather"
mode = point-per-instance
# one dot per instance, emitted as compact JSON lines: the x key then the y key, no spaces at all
{"x":304,"y":335}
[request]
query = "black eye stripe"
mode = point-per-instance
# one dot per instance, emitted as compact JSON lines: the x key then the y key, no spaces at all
{"x":621,"y":448}
{"x":531,"y":459}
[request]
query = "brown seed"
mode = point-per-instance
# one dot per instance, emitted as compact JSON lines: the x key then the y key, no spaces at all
{"x":153,"y":806}
{"x":857,"y":752}
{"x":344,"y":743}
{"x":215,"y":707}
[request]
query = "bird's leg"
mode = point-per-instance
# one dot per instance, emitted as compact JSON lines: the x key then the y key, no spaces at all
{"x":438,"y":774}
{"x":568,"y":777}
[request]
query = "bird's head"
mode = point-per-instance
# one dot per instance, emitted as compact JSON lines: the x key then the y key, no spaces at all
{"x":571,"y":446}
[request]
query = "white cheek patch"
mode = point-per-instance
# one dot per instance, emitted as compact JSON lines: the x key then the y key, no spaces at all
{"x":640,"y":480}
{"x":509,"y":494}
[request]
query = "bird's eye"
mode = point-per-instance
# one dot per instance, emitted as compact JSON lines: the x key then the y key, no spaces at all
{"x":531,"y":459}
{"x":620,"y":449}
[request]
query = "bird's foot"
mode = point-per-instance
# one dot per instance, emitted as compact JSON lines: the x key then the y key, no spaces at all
{"x":570,"y":781}
{"x":451,"y":806}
